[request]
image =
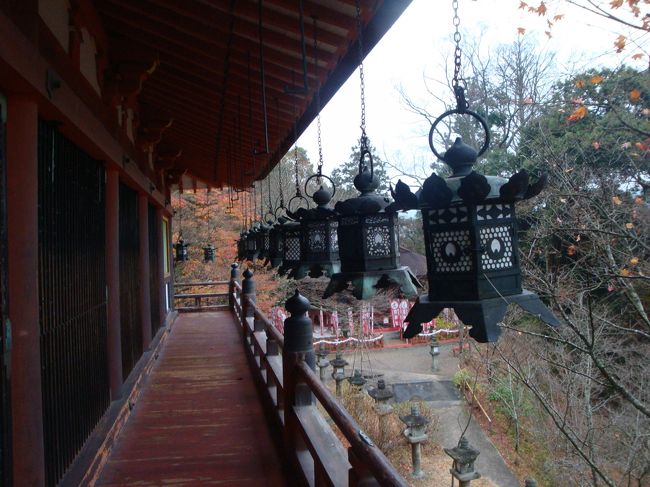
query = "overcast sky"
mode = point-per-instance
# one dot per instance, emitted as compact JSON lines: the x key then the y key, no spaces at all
{"x":416,"y":47}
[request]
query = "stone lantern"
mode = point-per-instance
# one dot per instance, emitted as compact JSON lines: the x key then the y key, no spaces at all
{"x":382,"y":395}
{"x":416,"y":435}
{"x":434,"y":352}
{"x":322,"y":363}
{"x":464,"y":457}
{"x":470,"y":232}
{"x":357,"y":380}
{"x":338,"y":374}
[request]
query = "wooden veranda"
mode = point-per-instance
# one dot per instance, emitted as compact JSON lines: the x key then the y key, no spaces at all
{"x":197,"y":420}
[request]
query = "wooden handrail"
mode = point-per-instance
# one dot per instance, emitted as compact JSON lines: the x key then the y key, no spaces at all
{"x":207,"y":283}
{"x":378,"y":464}
{"x":287,"y":387}
{"x":270,"y":329}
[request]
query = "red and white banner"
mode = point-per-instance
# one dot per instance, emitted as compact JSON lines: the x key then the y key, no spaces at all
{"x":277,"y":318}
{"x":394,"y":313}
{"x":320,"y":322}
{"x":399,"y":308}
{"x":351,"y":321}
{"x":335,"y":323}
{"x":365,"y":318}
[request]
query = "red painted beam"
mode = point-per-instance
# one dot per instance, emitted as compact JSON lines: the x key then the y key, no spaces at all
{"x":113,"y":331}
{"x":143,"y":268}
{"x":22,"y":231}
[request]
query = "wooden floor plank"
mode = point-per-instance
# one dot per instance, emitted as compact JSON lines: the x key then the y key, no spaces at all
{"x":199,"y":420}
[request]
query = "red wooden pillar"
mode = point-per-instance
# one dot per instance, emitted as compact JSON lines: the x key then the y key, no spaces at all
{"x":113,"y":329}
{"x":162,"y":289}
{"x":22,"y":231}
{"x":145,"y":291}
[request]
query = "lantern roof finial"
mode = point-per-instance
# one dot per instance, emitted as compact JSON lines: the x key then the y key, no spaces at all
{"x":460,"y":157}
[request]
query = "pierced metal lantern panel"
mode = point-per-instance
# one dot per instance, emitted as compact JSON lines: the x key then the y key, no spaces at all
{"x":251,"y":245}
{"x":368,"y":242}
{"x":276,"y":246}
{"x":472,"y":250}
{"x":292,"y":250}
{"x":181,"y":251}
{"x":209,"y":253}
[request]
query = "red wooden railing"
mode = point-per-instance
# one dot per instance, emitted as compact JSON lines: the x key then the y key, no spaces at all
{"x":290,"y":391}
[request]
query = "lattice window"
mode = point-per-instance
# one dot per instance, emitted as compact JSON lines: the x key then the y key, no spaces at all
{"x":497,"y":242}
{"x":378,"y":241}
{"x":449,"y":251}
{"x":267,"y":242}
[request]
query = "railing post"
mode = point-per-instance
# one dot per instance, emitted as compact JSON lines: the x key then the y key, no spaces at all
{"x":298,"y":346}
{"x":248,"y":298}
{"x":234,"y":277}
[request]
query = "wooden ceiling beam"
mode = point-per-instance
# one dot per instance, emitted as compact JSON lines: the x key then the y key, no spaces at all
{"x":247,"y":14}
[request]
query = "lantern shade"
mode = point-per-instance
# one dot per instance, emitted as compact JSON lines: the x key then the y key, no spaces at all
{"x":369,"y":243}
{"x":209,"y":253}
{"x":470,"y":232}
{"x":241,"y":246}
{"x":252,"y":250}
{"x":181,"y":250}
{"x":291,"y":248}
{"x":276,"y":244}
{"x":262,"y":241}
{"x":319,"y":243}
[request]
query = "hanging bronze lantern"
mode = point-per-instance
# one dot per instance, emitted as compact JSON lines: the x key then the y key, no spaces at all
{"x":251,"y":243}
{"x":292,"y":253}
{"x":470,"y":232}
{"x":241,"y":246}
{"x":209,"y":253}
{"x":276,"y":244}
{"x":369,"y":241}
{"x":318,"y":237}
{"x":262,"y":239}
{"x":181,"y":250}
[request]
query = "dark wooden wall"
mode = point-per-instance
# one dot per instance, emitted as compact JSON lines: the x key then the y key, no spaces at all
{"x":73,"y":297}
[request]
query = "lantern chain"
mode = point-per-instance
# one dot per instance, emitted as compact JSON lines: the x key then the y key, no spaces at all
{"x":295,"y":159}
{"x":318,"y":107}
{"x":458,"y":82}
{"x":362,"y":81}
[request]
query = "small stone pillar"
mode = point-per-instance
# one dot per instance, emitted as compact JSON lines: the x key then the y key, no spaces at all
{"x":382,"y":395}
{"x":464,"y":457}
{"x":338,"y":374}
{"x":322,"y":361}
{"x":434,"y":352}
{"x":248,"y":297}
{"x":234,"y":277}
{"x":415,"y":434}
